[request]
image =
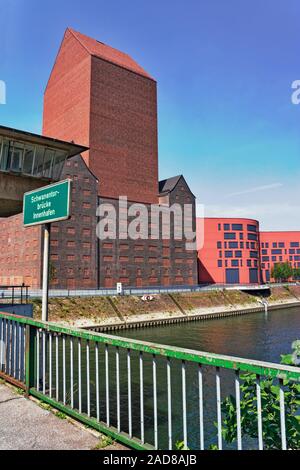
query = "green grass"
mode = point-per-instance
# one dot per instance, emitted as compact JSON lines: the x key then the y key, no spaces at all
{"x":104,"y":442}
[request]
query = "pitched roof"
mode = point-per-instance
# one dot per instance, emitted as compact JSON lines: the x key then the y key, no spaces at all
{"x":108,"y":53}
{"x":166,"y":186}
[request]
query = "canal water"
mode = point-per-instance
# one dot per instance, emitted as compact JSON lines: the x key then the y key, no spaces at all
{"x":255,"y":336}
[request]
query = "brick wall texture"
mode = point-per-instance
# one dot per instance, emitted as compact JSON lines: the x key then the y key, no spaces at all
{"x":99,"y":97}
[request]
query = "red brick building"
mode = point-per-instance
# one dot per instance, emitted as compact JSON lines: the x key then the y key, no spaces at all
{"x":103,"y":99}
{"x":279,"y":247}
{"x":228,"y":251}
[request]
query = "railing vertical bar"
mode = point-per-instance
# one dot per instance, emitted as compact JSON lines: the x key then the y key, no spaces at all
{"x":38,"y":360}
{"x":56,"y":368}
{"x":282,"y":415}
{"x":184,"y":410}
{"x":50,"y":364}
{"x":129,"y":393}
{"x":6,"y":347}
{"x":44,"y":361}
{"x":88,"y":385}
{"x":8,"y":338}
{"x":20,"y":335}
{"x":142,"y":398}
{"x":23,"y":358}
{"x":154,"y":371}
{"x":10,"y":347}
{"x":15,"y":351}
{"x":259,"y":414}
{"x":72,"y":371}
{"x":1,"y":342}
{"x":238,"y":409}
{"x":3,"y":357}
{"x":118,"y":388}
{"x":219,"y":411}
{"x":79,"y":377}
{"x":64,"y":371}
{"x":97,"y":382}
{"x":107,"y":385}
{"x":169,"y":389}
{"x":2,"y":345}
{"x":201,"y":414}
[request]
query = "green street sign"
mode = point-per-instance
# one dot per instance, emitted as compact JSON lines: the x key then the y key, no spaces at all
{"x":48,"y":204}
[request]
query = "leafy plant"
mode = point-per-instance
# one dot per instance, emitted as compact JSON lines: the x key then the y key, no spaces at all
{"x":104,"y":442}
{"x":270,"y":408}
{"x":179,"y":445}
{"x":60,"y":415}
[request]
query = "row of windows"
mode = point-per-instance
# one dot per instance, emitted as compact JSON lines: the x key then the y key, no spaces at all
{"x":268,"y":266}
{"x":234,"y":236}
{"x":235,"y":245}
{"x":280,"y":258}
{"x":32,"y":160}
{"x":291,"y":251}
{"x":237,"y":263}
{"x":237,"y":254}
{"x":237,"y":227}
{"x":280,"y":245}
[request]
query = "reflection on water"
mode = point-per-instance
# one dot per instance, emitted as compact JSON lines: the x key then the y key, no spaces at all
{"x":255,"y":336}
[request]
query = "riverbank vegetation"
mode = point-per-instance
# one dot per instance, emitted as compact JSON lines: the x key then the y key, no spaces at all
{"x":85,"y":311}
{"x":270,"y":408}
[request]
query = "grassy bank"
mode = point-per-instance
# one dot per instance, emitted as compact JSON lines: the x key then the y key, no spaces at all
{"x":85,"y":311}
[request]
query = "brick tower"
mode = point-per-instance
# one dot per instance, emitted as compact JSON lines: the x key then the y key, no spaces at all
{"x":100,"y":97}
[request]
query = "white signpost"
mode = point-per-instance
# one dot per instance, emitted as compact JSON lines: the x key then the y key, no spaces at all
{"x":119,"y":288}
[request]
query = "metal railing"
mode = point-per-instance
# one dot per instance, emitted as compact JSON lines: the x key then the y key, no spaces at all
{"x":146,"y":395}
{"x":14,"y":295}
{"x":37,"y":293}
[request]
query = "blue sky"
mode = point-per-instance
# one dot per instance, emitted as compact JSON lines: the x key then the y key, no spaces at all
{"x":224,"y":72}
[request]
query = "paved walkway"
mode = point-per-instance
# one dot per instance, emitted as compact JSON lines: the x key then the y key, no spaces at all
{"x":24,"y":425}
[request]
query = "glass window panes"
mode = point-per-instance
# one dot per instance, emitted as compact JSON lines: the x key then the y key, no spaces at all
{"x":60,"y":158}
{"x":34,"y":160}
{"x":4,"y":155}
{"x":16,"y":151}
{"x":48,"y":163}
{"x":39,"y":162}
{"x":28,"y":160}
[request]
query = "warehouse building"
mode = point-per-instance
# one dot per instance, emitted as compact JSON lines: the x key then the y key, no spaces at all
{"x":101,"y":98}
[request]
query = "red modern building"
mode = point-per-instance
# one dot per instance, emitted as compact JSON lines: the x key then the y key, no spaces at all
{"x":278,"y":247}
{"x":228,"y":251}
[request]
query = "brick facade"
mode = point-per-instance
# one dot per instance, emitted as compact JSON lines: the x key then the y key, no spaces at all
{"x":151,"y":262}
{"x":73,"y":243}
{"x":101,"y":98}
{"x":20,"y":253}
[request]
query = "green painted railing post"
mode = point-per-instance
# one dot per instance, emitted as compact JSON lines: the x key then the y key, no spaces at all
{"x":29,"y":357}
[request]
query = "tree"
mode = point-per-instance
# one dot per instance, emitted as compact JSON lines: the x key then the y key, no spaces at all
{"x":270,"y":408}
{"x":296,"y":273}
{"x":282,"y":271}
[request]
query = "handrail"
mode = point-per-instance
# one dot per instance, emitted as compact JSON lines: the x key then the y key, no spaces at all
{"x":270,"y":369}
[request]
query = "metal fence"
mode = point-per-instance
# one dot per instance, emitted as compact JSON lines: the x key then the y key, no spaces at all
{"x":36,"y":293}
{"x":148,"y":396}
{"x":14,"y":295}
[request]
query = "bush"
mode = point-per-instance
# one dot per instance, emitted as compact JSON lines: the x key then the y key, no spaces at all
{"x":270,"y":408}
